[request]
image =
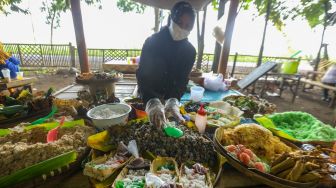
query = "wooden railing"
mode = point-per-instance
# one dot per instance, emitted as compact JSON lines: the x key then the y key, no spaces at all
{"x":65,"y":55}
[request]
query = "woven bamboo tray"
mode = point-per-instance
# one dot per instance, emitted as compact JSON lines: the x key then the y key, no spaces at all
{"x":264,"y":178}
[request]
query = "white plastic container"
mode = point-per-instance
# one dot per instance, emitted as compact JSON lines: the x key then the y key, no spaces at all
{"x":196,"y":93}
{"x":102,"y":124}
{"x":6,"y":74}
{"x":19,"y":75}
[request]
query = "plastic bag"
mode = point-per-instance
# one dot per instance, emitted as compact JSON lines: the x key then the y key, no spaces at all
{"x":219,"y":30}
{"x":172,"y":110}
{"x":133,"y":148}
{"x":218,"y":33}
{"x":155,"y":111}
{"x":214,"y":83}
{"x":153,"y":180}
{"x":226,"y":108}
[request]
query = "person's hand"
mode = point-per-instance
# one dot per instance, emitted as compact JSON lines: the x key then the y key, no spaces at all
{"x":172,"y":109}
{"x":155,"y":111}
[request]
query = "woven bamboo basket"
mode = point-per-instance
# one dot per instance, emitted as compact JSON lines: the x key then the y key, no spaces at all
{"x":102,"y":174}
{"x":123,"y":174}
{"x":159,"y":161}
{"x":264,"y":178}
{"x":207,"y":175}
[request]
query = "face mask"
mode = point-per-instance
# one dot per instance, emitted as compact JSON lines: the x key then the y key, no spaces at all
{"x":177,"y":32}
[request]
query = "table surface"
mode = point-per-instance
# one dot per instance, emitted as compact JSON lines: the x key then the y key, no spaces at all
{"x":17,"y":83}
{"x":229,"y":177}
{"x":119,"y":62}
{"x":121,"y":66}
{"x":211,"y":95}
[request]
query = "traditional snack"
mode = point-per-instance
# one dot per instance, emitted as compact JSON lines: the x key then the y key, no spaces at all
{"x":303,"y":126}
{"x":107,"y":113}
{"x":194,"y":106}
{"x":96,"y":76}
{"x":134,"y":178}
{"x":166,"y":169}
{"x":251,"y":105}
{"x":195,"y":176}
{"x":19,"y":150}
{"x":247,"y":157}
{"x":102,"y":167}
{"x":300,"y":166}
{"x":133,"y":175}
{"x":257,"y":138}
{"x":191,"y":145}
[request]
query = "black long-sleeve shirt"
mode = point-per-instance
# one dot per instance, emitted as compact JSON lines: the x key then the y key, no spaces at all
{"x":164,"y":66}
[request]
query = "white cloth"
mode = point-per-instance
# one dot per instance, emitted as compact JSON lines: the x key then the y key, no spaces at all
{"x":177,"y":32}
{"x":330,"y":76}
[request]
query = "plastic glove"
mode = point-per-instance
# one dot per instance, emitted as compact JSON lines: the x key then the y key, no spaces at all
{"x":172,"y":109}
{"x":155,"y":111}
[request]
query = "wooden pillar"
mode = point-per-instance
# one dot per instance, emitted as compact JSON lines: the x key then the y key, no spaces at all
{"x":80,"y":38}
{"x":221,"y":10}
{"x":224,"y":58}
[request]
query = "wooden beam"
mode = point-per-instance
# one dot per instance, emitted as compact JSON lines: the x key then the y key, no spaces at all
{"x":221,"y":10}
{"x":227,"y":37}
{"x":80,"y":38}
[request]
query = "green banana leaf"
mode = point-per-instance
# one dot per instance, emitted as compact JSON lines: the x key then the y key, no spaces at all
{"x":47,"y":126}
{"x":38,"y":169}
{"x":268,"y":123}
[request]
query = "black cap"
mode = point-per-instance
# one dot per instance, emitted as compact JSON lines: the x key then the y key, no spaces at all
{"x":181,"y":8}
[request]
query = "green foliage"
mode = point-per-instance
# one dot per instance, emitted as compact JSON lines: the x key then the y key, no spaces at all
{"x":319,"y":12}
{"x":130,"y":5}
{"x":12,"y":5}
{"x":54,"y":8}
{"x":279,"y":12}
{"x":215,"y":4}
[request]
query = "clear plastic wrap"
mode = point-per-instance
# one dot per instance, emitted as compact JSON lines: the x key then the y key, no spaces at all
{"x":172,"y":110}
{"x":133,"y":148}
{"x":155,"y":111}
{"x":153,"y":180}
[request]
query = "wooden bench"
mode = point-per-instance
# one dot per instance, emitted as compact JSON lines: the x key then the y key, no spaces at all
{"x":308,"y":81}
{"x":26,"y":83}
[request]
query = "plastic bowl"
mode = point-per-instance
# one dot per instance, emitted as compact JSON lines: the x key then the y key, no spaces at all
{"x":196,"y":93}
{"x":103,"y":124}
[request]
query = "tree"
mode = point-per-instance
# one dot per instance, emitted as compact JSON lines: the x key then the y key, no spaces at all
{"x":54,"y":8}
{"x":129,"y":6}
{"x":317,"y":13}
{"x":200,"y":37}
{"x":220,"y":6}
{"x":275,"y":11}
{"x":13,"y":5}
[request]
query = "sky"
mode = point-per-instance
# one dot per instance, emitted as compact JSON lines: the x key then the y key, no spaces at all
{"x":112,"y":28}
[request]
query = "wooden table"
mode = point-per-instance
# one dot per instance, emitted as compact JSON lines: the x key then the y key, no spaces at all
{"x":291,"y":81}
{"x":123,"y":89}
{"x":25,"y":83}
{"x":120,"y":66}
{"x":229,"y":177}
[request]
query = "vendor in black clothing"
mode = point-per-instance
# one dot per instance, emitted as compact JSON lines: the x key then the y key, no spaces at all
{"x":168,"y":57}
